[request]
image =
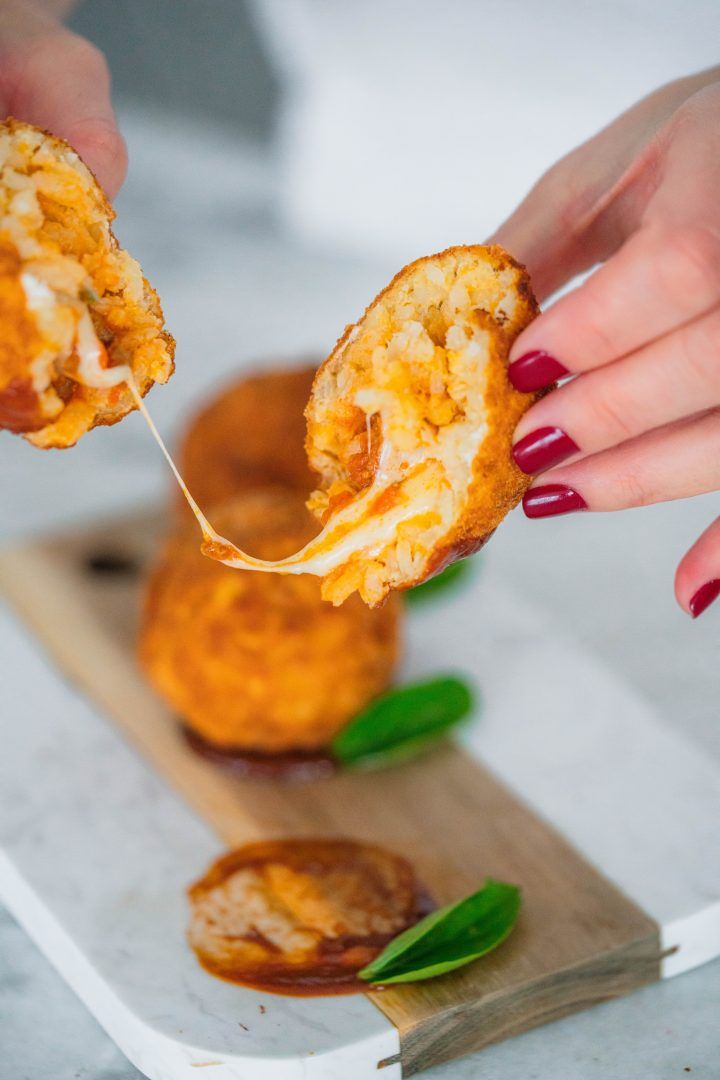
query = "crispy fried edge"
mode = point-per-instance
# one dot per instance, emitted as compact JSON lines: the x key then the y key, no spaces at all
{"x":506,"y":405}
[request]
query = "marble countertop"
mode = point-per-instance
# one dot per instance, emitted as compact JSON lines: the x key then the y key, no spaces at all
{"x":235,"y":287}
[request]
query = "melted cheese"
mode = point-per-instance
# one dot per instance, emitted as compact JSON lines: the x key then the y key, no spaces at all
{"x":55,"y":320}
{"x":352,"y":529}
{"x":422,"y":474}
{"x":91,"y":371}
{"x":430,"y":480}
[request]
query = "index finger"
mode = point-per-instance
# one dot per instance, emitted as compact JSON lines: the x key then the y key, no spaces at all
{"x":661,"y":278}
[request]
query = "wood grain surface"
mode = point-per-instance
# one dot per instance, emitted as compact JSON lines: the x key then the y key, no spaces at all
{"x":578,"y":941}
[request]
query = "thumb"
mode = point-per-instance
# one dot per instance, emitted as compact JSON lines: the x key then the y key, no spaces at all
{"x":61,"y":82}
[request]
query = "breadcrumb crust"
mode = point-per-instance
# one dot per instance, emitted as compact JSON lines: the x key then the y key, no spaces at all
{"x":500,"y":305}
{"x":259,"y":662}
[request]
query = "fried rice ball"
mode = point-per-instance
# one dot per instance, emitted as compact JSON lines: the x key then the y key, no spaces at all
{"x":259,"y":662}
{"x":250,"y":435}
{"x":410,"y":424}
{"x":301,"y":916}
{"x":75,"y":310}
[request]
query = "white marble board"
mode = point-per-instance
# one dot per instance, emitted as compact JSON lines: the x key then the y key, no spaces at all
{"x":95,"y":851}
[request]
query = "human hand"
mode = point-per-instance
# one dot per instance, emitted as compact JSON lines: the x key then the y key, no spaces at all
{"x":60,"y":82}
{"x":639,"y":422}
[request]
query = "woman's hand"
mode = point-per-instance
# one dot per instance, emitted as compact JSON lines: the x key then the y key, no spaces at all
{"x":640,"y":420}
{"x":58,"y":81}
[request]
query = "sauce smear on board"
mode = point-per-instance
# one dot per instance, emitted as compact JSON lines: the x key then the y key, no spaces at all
{"x":301,"y":916}
{"x":290,"y":766}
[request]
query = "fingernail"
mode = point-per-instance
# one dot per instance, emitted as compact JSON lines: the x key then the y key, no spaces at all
{"x":704,"y":597}
{"x":549,"y":499}
{"x":535,"y":370}
{"x":543,"y":448}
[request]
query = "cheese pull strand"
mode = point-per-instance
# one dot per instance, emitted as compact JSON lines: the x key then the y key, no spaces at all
{"x":208,"y":532}
{"x":331,"y":548}
{"x":355,"y":527}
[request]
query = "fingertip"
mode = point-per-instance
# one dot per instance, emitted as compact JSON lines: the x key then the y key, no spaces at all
{"x":63,"y":85}
{"x":103,"y":149}
{"x":704,"y":597}
{"x":683,"y":584}
{"x":697,"y":578}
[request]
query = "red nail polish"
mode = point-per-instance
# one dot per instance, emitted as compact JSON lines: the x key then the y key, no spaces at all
{"x":535,"y":370}
{"x":704,"y":597}
{"x":550,"y":499}
{"x":542,"y":449}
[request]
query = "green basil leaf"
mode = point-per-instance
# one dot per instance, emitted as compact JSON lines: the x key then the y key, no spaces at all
{"x":403,"y":722}
{"x":450,"y":577}
{"x":448,"y":938}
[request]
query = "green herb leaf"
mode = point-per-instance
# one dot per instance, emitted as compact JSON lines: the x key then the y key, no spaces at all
{"x":450,"y":577}
{"x":403,"y":722}
{"x":449,"y":938}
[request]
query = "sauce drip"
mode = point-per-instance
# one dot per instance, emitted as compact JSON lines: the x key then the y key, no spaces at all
{"x":292,"y":767}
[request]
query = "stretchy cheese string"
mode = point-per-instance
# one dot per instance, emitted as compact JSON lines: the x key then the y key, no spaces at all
{"x":309,"y":560}
{"x":366,"y":524}
{"x":321,"y":554}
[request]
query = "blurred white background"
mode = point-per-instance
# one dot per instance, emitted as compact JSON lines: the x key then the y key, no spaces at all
{"x":285,"y":158}
{"x":414,"y":125}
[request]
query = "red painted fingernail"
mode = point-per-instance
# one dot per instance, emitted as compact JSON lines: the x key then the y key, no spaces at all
{"x":549,"y":499}
{"x":535,"y":370}
{"x":704,"y":597}
{"x":543,"y":448}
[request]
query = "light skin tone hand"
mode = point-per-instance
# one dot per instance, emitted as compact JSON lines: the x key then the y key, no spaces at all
{"x":60,"y":82}
{"x":639,"y":421}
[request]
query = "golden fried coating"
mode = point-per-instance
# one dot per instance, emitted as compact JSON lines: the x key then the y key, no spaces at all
{"x":76,"y":314}
{"x":250,"y":435}
{"x":301,"y":916}
{"x":410,"y":424}
{"x":260,"y":662}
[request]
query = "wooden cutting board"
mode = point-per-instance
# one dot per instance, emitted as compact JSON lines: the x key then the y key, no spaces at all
{"x":580,"y":938}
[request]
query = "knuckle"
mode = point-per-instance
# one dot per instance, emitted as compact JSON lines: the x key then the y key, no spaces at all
{"x":599,"y":331}
{"x":700,"y":352}
{"x":571,"y":194}
{"x":690,"y":266}
{"x":563,"y":190}
{"x":103,"y":149}
{"x":552,"y":180}
{"x":609,"y":414}
{"x":633,"y":488}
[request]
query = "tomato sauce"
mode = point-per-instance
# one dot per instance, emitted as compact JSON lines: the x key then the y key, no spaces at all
{"x":292,"y":766}
{"x":20,"y":407}
{"x":302,"y":916}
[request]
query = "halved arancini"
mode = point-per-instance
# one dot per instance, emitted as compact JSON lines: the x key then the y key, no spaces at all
{"x":77,"y":317}
{"x":410,"y":423}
